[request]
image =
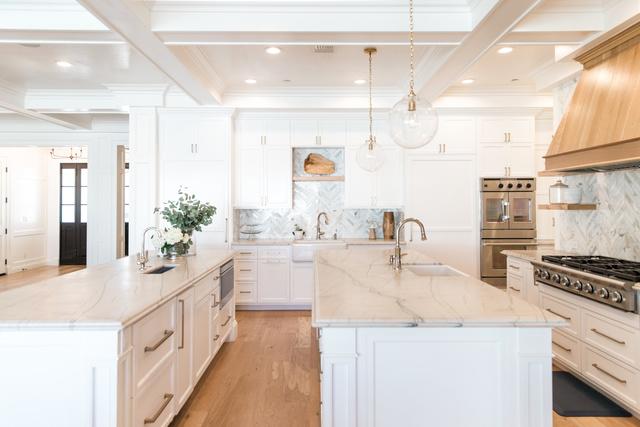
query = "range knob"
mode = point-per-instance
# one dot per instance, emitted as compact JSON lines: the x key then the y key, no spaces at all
{"x":577,"y":285}
{"x":565,"y":281}
{"x":510,"y":186}
{"x":616,"y":296}
{"x":529,"y":185}
{"x":519,"y":186}
{"x":555,"y":277}
{"x":588,"y":288}
{"x":500,"y":185}
{"x":537,"y":272}
{"x":603,"y":293}
{"x":544,"y":274}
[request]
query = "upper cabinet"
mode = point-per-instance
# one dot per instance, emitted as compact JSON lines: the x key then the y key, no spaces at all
{"x":187,"y":136}
{"x":263,"y":177}
{"x":506,"y":146}
{"x":258,"y":131}
{"x":323,"y":132}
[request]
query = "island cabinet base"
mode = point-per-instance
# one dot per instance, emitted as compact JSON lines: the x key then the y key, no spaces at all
{"x":445,"y":377}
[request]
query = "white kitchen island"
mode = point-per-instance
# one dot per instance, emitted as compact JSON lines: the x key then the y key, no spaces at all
{"x":418,"y":349}
{"x":110,"y":346}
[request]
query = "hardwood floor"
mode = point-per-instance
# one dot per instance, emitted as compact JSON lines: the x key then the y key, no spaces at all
{"x":27,"y":277}
{"x":270,"y":377}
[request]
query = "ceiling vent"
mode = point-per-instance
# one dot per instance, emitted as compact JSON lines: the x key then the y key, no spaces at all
{"x":322,"y":48}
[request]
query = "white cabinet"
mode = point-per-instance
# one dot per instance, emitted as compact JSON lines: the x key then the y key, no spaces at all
{"x":506,"y":146}
{"x":273,"y":281}
{"x":379,"y":189}
{"x":506,"y":129}
{"x":260,"y":131}
{"x":201,"y":336}
{"x":302,"y":280}
{"x":194,"y":156}
{"x":184,"y":376}
{"x":323,"y":132}
{"x":442,"y":191}
{"x":455,"y":135}
{"x":263,"y":177}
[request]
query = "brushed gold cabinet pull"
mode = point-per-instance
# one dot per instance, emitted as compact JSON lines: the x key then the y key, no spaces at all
{"x":558,"y":314}
{"x":216,"y":337}
{"x":215,"y":301}
{"x":568,"y":350}
{"x":167,"y":334}
{"x":514,"y":289}
{"x":245,"y":292}
{"x":621,"y":381}
{"x":228,"y":320}
{"x":595,"y":331}
{"x":245,"y":253}
{"x":165,"y":403}
{"x":245,"y":269}
{"x":181,"y":346}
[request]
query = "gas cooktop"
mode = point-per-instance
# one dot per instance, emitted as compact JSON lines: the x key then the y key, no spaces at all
{"x":600,"y":265}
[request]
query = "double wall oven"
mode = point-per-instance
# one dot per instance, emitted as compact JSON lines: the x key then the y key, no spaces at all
{"x":508,"y":222}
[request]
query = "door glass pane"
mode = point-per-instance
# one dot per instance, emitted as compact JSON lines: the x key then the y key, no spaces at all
{"x":83,"y":177}
{"x":83,"y":195}
{"x":83,"y":213}
{"x":521,"y":209}
{"x":493,"y":210}
{"x":126,"y":213}
{"x":68,"y":177}
{"x":68,"y":213}
{"x":68,"y":195}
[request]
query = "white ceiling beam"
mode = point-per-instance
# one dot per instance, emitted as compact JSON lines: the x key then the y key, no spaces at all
{"x":61,"y":15}
{"x":537,"y":38}
{"x":59,"y":37}
{"x":123,"y":18}
{"x":556,"y":74}
{"x":500,"y":20}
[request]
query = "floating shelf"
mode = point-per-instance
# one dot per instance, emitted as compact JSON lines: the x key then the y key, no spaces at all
{"x":569,"y":207}
{"x":318,"y":178}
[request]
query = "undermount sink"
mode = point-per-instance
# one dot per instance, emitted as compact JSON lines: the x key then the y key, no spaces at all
{"x":161,"y":269}
{"x":303,"y":250}
{"x":433,"y":270}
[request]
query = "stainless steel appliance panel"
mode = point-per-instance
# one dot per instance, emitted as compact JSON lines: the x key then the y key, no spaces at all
{"x":492,"y":262}
{"x":226,"y":282}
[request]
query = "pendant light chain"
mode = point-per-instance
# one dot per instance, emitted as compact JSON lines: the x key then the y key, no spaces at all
{"x":411,"y":50}
{"x":371,"y":138}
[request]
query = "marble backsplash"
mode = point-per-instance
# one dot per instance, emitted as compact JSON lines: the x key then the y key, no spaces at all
{"x":309,"y":199}
{"x":613,"y":229}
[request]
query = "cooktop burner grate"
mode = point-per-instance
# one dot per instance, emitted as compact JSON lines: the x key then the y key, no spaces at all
{"x":605,"y":266}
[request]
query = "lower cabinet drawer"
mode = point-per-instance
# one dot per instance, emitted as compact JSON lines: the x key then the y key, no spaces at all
{"x":246,"y":293}
{"x":154,"y":405}
{"x":245,"y":270}
{"x":566,"y":349}
{"x":225,"y":319}
{"x":612,"y":376}
{"x":611,"y":337}
{"x":567,"y":312}
{"x":216,"y":338}
{"x":153,"y":341}
{"x":215,"y":302}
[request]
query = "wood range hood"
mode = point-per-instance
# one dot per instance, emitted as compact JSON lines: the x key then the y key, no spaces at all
{"x":600,"y":129}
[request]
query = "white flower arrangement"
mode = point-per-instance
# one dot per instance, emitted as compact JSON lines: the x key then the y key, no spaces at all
{"x":169,"y":237}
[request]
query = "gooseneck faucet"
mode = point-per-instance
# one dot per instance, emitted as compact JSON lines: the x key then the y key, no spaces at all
{"x":319,"y":233}
{"x":396,"y":258}
{"x":142,"y":258}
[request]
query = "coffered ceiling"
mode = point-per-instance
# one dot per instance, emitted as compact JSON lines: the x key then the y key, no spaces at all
{"x":208,"y":49}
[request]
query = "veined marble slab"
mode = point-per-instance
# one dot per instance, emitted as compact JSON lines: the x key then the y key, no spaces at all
{"x":534,"y":254}
{"x":286,"y":242}
{"x":358,"y":288}
{"x":111,"y":295}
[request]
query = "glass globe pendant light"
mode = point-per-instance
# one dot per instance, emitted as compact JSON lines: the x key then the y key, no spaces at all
{"x":368,"y":155}
{"x":413,"y":122}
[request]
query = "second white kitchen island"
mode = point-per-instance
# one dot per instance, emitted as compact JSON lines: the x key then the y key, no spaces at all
{"x":427,"y":346}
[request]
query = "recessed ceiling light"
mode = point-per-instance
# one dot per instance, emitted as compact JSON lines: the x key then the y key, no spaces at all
{"x":251,"y":81}
{"x":64,"y":64}
{"x":360,"y":81}
{"x":505,"y":50}
{"x":273,"y":50}
{"x":467,"y":81}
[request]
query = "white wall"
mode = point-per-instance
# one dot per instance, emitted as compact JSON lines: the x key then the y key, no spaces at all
{"x":26,"y":207}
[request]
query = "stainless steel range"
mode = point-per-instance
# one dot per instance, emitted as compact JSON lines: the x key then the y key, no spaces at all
{"x":602,"y":279}
{"x":508,"y":222}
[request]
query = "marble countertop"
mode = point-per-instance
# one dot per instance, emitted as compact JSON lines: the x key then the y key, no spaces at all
{"x":285,"y":242}
{"x":534,"y":254}
{"x":111,"y":295}
{"x":358,"y":288}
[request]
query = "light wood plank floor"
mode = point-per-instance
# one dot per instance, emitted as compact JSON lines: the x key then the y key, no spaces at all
{"x":269,"y":377}
{"x":21,"y":278}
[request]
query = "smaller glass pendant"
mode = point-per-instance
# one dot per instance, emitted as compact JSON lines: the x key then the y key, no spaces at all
{"x":369,"y":156}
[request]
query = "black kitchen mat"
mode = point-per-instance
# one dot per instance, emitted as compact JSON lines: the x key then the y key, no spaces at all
{"x":574,"y":398}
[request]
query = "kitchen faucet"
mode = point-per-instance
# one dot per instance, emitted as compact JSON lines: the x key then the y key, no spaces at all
{"x":396,"y":258}
{"x":142,"y":258}
{"x":319,"y":233}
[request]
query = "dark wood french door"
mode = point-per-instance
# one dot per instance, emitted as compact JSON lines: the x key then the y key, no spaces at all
{"x":73,"y":213}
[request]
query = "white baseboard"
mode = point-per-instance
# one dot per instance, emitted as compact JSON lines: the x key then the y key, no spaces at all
{"x":258,"y":307}
{"x":26,"y":264}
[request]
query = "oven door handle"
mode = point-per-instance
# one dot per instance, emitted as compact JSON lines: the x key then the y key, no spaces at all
{"x":505,"y":211}
{"x":509,"y":244}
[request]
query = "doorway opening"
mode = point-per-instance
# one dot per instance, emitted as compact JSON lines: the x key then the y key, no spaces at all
{"x":73,"y":213}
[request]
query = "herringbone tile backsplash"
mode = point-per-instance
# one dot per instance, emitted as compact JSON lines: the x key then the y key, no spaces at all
{"x":613,"y":229}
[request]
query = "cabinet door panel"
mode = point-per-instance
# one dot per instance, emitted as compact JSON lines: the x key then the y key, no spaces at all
{"x":249,"y":132}
{"x":249,"y":177}
{"x":278,"y":184}
{"x":332,"y":132}
{"x":358,"y":183}
{"x":390,"y":179}
{"x":278,"y":132}
{"x":457,"y":134}
{"x":521,"y":129}
{"x":357,"y":132}
{"x":492,"y":129}
{"x":201,"y":337}
{"x":178,"y":134}
{"x":521,"y":160}
{"x":493,"y":160}
{"x":184,"y":376}
{"x":304,"y":132}
{"x":302,"y":280}
{"x":212,"y":139}
{"x":273,"y":281}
